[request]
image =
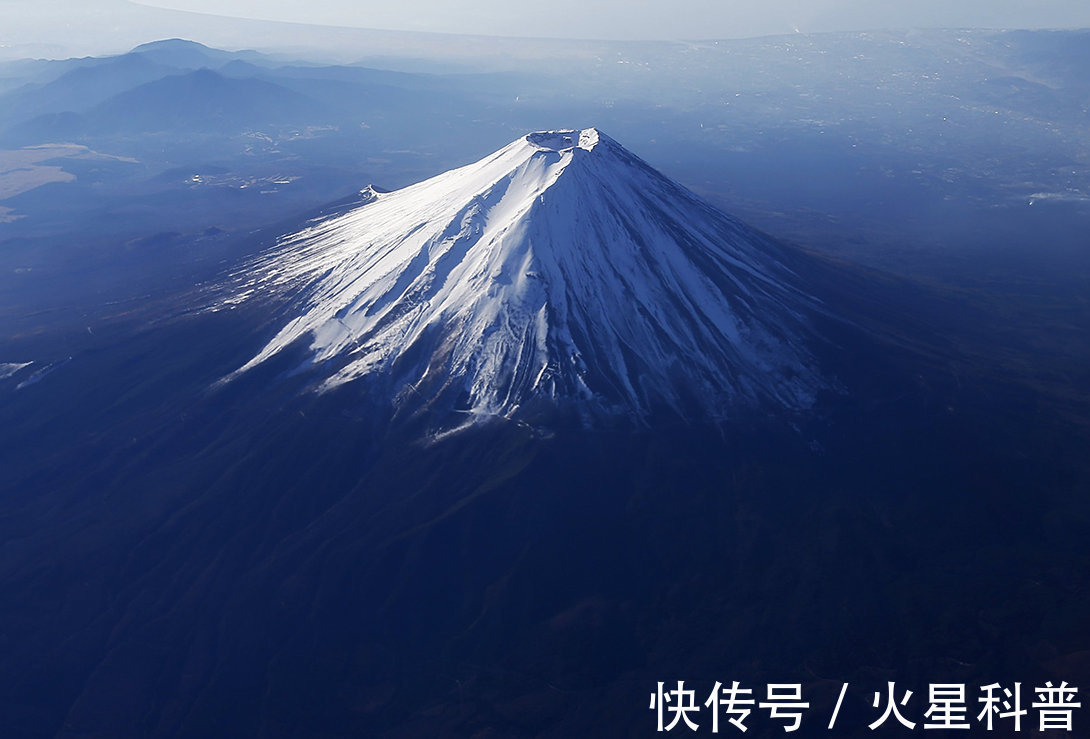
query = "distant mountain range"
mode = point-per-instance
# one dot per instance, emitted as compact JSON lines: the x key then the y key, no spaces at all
{"x":185,"y":87}
{"x":993,"y":120}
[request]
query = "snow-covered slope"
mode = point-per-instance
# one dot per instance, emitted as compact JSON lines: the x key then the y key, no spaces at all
{"x":559,"y":271}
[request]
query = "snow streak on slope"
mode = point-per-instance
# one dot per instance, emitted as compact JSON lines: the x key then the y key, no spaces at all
{"x":561,"y":269}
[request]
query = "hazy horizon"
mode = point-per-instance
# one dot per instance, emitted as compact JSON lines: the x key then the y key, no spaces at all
{"x":617,"y":20}
{"x":62,"y":28}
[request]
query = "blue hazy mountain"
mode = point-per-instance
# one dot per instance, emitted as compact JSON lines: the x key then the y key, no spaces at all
{"x":199,"y":101}
{"x":202,"y":100}
{"x":83,"y":87}
{"x":185,"y":54}
{"x":149,"y":88}
{"x":171,"y":54}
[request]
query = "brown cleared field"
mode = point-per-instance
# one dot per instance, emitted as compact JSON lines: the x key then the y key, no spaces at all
{"x":22,"y":170}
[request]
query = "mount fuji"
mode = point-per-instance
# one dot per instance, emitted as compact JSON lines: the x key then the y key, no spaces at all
{"x":560,"y":271}
{"x":853,"y":491}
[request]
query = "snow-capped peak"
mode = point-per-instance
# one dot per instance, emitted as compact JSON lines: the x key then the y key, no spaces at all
{"x":565,"y":140}
{"x":559,"y":271}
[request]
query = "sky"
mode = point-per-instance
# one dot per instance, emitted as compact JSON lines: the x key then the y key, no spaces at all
{"x":628,"y":19}
{"x":62,"y":28}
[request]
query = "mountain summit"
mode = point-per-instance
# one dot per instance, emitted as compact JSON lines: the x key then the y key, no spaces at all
{"x":560,"y":271}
